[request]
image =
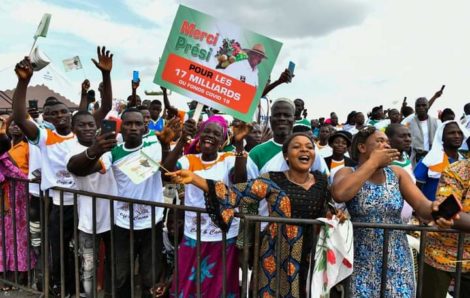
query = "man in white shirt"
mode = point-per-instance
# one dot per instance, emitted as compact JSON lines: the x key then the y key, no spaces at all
{"x":53,"y":170}
{"x":247,"y":70}
{"x":103,"y":157}
{"x":53,"y":150}
{"x":91,"y":221}
{"x":423,"y":128}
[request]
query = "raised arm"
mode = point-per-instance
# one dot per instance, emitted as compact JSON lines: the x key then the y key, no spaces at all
{"x":239,"y":133}
{"x":83,"y":105}
{"x":347,"y":182}
{"x":24,"y":72}
{"x":104,"y":64}
{"x":169,"y":109}
{"x":436,"y":96}
{"x":189,"y":130}
{"x":285,"y":77}
{"x":88,"y":162}
{"x":133,"y":101}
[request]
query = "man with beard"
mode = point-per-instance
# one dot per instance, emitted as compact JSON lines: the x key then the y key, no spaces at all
{"x":445,"y":151}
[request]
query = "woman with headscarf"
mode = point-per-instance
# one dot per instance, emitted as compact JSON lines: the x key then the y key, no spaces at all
{"x":445,"y":150}
{"x":374,"y":192}
{"x":204,"y":158}
{"x":296,"y":192}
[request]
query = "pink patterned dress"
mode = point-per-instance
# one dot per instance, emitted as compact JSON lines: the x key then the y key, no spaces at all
{"x":9,"y":170}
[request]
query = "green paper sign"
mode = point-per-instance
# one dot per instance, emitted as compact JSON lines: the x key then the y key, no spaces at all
{"x":216,"y":63}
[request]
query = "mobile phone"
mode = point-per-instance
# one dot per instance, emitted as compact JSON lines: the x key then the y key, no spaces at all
{"x":448,"y":209}
{"x":108,"y":126}
{"x":33,"y":104}
{"x":36,"y":173}
{"x":135,"y":76}
{"x":291,"y":68}
{"x":442,"y":88}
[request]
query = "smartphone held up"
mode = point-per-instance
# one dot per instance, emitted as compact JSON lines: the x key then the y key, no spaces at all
{"x":291,"y":68}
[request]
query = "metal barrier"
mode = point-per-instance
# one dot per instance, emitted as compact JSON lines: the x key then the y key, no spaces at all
{"x":249,"y":220}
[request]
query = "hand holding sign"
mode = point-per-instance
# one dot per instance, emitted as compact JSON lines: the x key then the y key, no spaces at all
{"x":24,"y":69}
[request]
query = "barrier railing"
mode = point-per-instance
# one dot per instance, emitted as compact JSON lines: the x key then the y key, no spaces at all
{"x":9,"y":219}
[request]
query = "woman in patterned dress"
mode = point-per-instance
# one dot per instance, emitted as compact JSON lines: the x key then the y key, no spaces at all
{"x":13,"y":196}
{"x":296,"y":193}
{"x":374,"y":192}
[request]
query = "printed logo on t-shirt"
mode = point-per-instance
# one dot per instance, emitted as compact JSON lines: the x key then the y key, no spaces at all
{"x":140,"y":211}
{"x":64,"y":178}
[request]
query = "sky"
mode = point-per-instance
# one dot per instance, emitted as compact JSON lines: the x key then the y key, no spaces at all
{"x":349,"y":54}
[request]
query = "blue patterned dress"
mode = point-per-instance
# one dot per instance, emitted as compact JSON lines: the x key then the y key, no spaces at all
{"x":380,"y":203}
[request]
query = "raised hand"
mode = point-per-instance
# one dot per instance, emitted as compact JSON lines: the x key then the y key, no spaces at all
{"x":24,"y":69}
{"x":285,"y":77}
{"x":383,"y":157}
{"x":404,"y":103}
{"x":103,"y":144}
{"x":3,"y":124}
{"x":135,"y":85}
{"x":171,"y":129}
{"x":189,"y":130}
{"x":439,"y":93}
{"x":241,"y":130}
{"x":85,"y":86}
{"x":105,"y":59}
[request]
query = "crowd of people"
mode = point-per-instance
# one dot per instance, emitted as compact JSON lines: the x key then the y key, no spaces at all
{"x":387,"y":166}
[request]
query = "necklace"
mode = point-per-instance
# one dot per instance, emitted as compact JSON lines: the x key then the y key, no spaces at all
{"x":309,"y":178}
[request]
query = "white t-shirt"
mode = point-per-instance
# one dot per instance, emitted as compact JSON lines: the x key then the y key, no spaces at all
{"x":425,"y":129}
{"x":53,"y":165}
{"x":97,"y":183}
{"x":325,"y":151}
{"x":34,"y":164}
{"x":242,"y":71}
{"x":149,"y":190}
{"x":218,"y":170}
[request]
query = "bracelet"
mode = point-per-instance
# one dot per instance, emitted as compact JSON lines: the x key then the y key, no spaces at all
{"x":87,"y":156}
{"x":241,"y":153}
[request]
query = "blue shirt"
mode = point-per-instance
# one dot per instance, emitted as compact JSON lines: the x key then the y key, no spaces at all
{"x":157,"y":125}
{"x":429,"y":187}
